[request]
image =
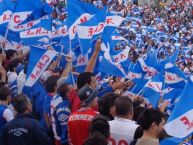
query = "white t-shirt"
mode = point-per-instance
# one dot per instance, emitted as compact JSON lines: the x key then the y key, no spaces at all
{"x":122,"y":131}
{"x":8,"y":115}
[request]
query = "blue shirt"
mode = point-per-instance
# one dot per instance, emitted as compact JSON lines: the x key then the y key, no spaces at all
{"x":2,"y":119}
{"x":37,"y":95}
{"x":60,"y":111}
{"x":47,"y":103}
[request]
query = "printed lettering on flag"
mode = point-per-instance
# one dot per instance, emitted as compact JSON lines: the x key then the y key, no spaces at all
{"x":132,"y":75}
{"x":172,"y":78}
{"x":5,"y":17}
{"x":27,"y":25}
{"x":156,"y":86}
{"x":167,"y":90}
{"x":82,"y":60}
{"x":118,"y":38}
{"x":40,"y":67}
{"x":36,"y":32}
{"x":87,"y":32}
{"x":184,"y":124}
{"x":18,"y":17}
{"x":72,"y":29}
{"x":150,"y":70}
{"x":62,"y":31}
{"x":122,"y":56}
{"x":114,"y":21}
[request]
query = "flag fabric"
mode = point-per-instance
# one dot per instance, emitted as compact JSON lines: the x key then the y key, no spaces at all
{"x":78,"y":12}
{"x":171,"y":141}
{"x":59,"y":33}
{"x":38,"y":34}
{"x":150,"y":71}
{"x":39,"y":60}
{"x":153,"y":89}
{"x":174,"y":77}
{"x":39,"y":12}
{"x":122,"y":56}
{"x":6,"y":9}
{"x":112,"y":22}
{"x":23,"y":9}
{"x":110,"y":68}
{"x":91,"y":29}
{"x":180,"y":121}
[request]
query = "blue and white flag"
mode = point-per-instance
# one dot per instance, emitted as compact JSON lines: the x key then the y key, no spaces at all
{"x":39,"y":60}
{"x":153,"y":89}
{"x":60,"y":33}
{"x":112,"y":22}
{"x":180,"y":122}
{"x":78,"y":12}
{"x":21,"y":11}
{"x":38,"y":34}
{"x":6,"y":9}
{"x":44,"y":10}
{"x":171,"y":141}
{"x":91,"y":29}
{"x":134,"y":72}
{"x":174,"y":77}
{"x":150,"y":71}
{"x":111,"y":68}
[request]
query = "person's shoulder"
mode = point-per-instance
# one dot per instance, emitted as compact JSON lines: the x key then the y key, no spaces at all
{"x":146,"y":141}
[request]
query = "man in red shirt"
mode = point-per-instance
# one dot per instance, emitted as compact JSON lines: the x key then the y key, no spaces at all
{"x":79,"y":121}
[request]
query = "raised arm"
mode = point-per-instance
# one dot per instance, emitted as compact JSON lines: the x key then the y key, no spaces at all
{"x":92,"y":62}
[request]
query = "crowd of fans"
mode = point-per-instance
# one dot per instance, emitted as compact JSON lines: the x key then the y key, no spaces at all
{"x":56,"y":112}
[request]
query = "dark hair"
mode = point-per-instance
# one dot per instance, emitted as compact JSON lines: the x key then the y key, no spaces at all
{"x":137,"y":112}
{"x":4,"y":93}
{"x":20,"y":103}
{"x":2,"y":84}
{"x":25,"y":69}
{"x":51,"y":83}
{"x":123,"y":105}
{"x":149,"y":116}
{"x":105,"y":103}
{"x":100,"y":124}
{"x":84,"y":78}
{"x":63,"y":90}
{"x":13,"y":64}
{"x":96,"y":139}
{"x":10,"y":53}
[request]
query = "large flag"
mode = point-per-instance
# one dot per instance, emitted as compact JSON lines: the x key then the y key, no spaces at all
{"x":6,"y":8}
{"x":38,"y":13}
{"x":174,"y":77}
{"x":60,"y":32}
{"x":39,"y":60}
{"x":112,"y":22}
{"x":134,"y":72}
{"x":180,"y":122}
{"x":153,"y":89}
{"x":122,"y":56}
{"x":149,"y":70}
{"x":111,"y":68}
{"x":38,"y":34}
{"x":78,"y":12}
{"x":21,"y":11}
{"x":91,"y":29}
